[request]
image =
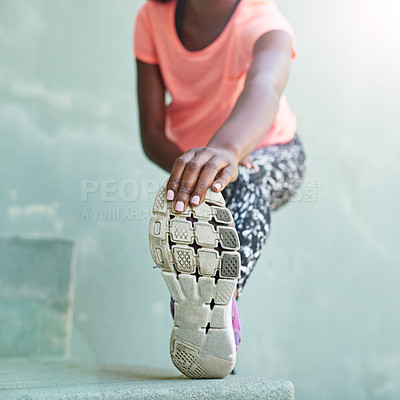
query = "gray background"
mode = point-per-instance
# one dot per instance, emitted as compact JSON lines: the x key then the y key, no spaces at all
{"x":322,"y":306}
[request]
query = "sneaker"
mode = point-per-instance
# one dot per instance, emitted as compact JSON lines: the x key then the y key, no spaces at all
{"x":197,"y":251}
{"x":236,"y":322}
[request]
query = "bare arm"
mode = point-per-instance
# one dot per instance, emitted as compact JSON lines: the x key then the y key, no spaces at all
{"x":151,"y":95}
{"x":217,"y":163}
{"x":258,"y":103}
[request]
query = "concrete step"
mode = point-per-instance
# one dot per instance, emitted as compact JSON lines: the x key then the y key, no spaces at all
{"x":36,"y":295}
{"x":57,"y":379}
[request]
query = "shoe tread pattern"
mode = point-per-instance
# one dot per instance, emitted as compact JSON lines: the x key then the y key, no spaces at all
{"x":197,"y":252}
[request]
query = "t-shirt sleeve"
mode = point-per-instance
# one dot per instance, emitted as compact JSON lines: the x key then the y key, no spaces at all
{"x":266,"y":17}
{"x":144,"y":48}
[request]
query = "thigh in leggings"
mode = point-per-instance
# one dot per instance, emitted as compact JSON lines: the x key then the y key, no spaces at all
{"x":254,"y":194}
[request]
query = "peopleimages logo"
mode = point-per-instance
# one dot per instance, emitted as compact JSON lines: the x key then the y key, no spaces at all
{"x":112,"y":190}
{"x":108,"y":191}
{"x":102,"y":193}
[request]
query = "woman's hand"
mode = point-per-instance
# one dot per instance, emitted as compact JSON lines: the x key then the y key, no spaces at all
{"x":198,"y":169}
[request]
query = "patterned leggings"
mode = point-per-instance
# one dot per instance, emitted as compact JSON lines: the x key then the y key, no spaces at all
{"x":254,"y":194}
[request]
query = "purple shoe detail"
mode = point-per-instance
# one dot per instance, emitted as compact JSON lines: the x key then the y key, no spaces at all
{"x":236,"y":320}
{"x":172,"y":307}
{"x":236,"y":323}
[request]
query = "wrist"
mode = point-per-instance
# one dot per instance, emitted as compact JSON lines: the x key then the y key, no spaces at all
{"x":229,"y":148}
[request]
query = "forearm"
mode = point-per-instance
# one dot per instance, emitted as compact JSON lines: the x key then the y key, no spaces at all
{"x":159,"y":149}
{"x":258,"y":103}
{"x":151,"y":95}
{"x":250,"y":119}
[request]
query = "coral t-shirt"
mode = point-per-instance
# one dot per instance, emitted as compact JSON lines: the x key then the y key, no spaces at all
{"x":204,"y":85}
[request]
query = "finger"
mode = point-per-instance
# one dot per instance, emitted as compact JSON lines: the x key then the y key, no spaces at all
{"x":252,"y":165}
{"x":249,"y":164}
{"x":246,"y":165}
{"x":189,"y":179}
{"x":176,"y":174}
{"x":228,"y":175}
{"x":246,"y":162}
{"x":210,"y":171}
{"x":256,"y":168}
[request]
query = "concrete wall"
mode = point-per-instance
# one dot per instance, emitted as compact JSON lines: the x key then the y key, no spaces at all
{"x":322,"y":306}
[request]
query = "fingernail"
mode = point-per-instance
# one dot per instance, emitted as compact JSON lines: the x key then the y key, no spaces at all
{"x":179,"y":206}
{"x":196,"y":200}
{"x":217,"y":186}
{"x":170,"y":195}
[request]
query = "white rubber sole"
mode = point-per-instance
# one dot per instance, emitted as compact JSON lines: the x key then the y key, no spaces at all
{"x":197,"y":252}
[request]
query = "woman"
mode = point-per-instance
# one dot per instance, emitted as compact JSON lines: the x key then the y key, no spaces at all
{"x":229,"y":130}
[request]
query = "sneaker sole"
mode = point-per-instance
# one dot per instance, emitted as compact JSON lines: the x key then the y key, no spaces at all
{"x":197,"y":253}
